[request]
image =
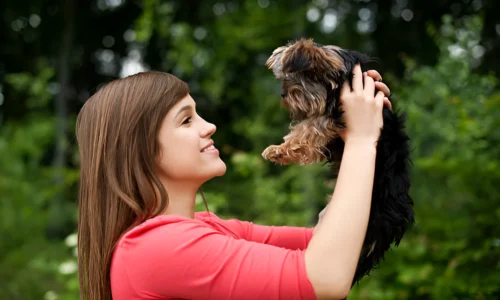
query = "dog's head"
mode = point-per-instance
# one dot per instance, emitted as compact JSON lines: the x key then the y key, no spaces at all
{"x":310,"y":74}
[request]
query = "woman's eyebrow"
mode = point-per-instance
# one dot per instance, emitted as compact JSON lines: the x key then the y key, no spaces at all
{"x":185,"y":107}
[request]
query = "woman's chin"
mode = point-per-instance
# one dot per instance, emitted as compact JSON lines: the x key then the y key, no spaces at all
{"x":217,"y":170}
{"x":221,"y":169}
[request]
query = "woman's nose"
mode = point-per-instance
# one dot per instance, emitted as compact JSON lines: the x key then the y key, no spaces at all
{"x":209,"y":129}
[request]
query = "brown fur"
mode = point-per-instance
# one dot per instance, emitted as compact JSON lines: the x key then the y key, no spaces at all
{"x":306,"y":102}
{"x":305,"y":144}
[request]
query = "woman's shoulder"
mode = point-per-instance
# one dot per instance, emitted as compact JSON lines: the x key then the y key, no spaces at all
{"x":165,"y":224}
{"x":205,"y":215}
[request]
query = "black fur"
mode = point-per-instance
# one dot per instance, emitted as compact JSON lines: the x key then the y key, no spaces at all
{"x":392,"y":207}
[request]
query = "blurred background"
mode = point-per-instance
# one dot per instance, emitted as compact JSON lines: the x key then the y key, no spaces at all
{"x":439,"y":57}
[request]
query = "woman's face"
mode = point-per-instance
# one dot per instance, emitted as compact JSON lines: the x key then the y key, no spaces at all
{"x":188,"y":153}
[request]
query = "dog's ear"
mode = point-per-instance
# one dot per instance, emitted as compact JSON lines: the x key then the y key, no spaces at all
{"x":305,"y":55}
{"x":274,"y":62}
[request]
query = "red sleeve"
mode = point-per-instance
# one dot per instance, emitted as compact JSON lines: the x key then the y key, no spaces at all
{"x":190,"y":260}
{"x":288,"y":237}
{"x":282,"y":236}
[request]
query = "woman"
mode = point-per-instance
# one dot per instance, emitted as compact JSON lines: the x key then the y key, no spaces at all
{"x":145,"y":152}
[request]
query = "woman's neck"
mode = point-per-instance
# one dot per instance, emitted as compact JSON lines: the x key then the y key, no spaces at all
{"x":181,"y":199}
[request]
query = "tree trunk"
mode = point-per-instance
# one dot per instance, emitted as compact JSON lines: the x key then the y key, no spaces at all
{"x":64,"y":77}
{"x":59,"y":161}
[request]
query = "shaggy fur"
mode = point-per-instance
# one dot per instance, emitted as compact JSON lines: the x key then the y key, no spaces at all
{"x":312,"y":76}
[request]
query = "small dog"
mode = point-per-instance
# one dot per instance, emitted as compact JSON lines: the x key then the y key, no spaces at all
{"x":312,"y":76}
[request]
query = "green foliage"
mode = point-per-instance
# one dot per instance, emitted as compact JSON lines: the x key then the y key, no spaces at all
{"x":28,"y":257}
{"x":34,"y":86}
{"x":453,"y":252}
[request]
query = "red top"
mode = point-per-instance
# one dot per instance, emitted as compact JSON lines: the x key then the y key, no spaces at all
{"x":174,"y":257}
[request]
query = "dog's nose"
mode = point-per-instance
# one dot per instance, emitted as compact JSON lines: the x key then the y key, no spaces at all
{"x":283,"y":95}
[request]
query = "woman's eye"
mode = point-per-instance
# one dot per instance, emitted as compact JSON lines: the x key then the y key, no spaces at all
{"x":186,"y":121}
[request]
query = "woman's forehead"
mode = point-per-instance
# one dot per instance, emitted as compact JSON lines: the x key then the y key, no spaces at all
{"x":182,"y":105}
{"x":188,"y":100}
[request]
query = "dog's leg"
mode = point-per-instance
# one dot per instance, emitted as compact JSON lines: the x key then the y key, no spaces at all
{"x":304,"y":144}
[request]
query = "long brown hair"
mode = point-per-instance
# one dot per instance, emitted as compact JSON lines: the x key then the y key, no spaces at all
{"x":117,"y":132}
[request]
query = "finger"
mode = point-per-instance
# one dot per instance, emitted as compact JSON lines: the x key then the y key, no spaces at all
{"x":346,"y":88}
{"x":379,"y":99}
{"x":344,"y":91}
{"x":375,"y":75}
{"x":383,"y":87}
{"x":369,"y":89}
{"x":357,"y":80}
{"x":387,"y":103}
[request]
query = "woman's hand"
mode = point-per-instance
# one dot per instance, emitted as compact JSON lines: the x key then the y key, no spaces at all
{"x":379,"y":85}
{"x":362,"y":107}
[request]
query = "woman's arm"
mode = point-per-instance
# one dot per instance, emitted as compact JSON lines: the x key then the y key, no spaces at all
{"x":333,"y":252}
{"x":289,"y":237}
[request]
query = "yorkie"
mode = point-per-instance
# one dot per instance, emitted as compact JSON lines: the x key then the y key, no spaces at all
{"x":312,"y":76}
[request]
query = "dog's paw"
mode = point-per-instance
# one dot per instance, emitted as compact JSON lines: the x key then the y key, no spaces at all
{"x":276,"y":154}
